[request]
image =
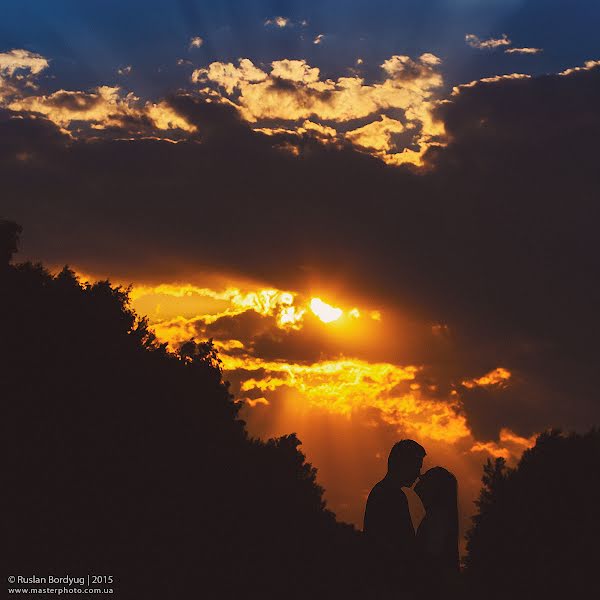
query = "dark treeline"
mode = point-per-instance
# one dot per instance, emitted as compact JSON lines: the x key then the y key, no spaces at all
{"x":129,"y":460}
{"x":537,"y":531}
{"x":126,"y":459}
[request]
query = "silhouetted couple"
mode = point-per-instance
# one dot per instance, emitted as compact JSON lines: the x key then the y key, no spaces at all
{"x":403,"y":564}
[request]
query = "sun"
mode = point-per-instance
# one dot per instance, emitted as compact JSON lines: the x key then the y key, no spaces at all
{"x":324,"y":311}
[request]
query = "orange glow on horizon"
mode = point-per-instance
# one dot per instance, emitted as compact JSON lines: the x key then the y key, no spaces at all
{"x":343,"y":402}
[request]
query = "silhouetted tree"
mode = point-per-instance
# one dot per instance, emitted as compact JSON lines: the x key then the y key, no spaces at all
{"x":130,"y":460}
{"x":9,"y":235}
{"x":537,"y":531}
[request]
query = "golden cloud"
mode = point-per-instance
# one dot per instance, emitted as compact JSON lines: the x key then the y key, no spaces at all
{"x":295,"y":70}
{"x":523,"y":50}
{"x":489,"y":44}
{"x":21,"y":60}
{"x":587,"y":66}
{"x":103,"y":107}
{"x":495,"y":79}
{"x":18,"y":69}
{"x":230,"y":77}
{"x":293,"y":91}
{"x":279,"y":21}
{"x":376,"y":135}
{"x":164,"y":117}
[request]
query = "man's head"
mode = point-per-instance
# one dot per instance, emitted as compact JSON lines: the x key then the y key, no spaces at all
{"x":405,"y":461}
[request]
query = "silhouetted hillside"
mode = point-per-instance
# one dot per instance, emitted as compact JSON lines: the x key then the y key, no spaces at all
{"x":126,"y":459}
{"x":537,"y":533}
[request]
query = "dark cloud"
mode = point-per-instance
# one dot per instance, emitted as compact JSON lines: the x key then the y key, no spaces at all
{"x":25,"y":137}
{"x":521,"y":403}
{"x":497,"y":239}
{"x":264,"y":339}
{"x":243,"y":327}
{"x":308,"y":345}
{"x":299,"y":93}
{"x":74,"y":101}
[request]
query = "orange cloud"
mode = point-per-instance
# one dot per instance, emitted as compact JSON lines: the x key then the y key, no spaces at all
{"x":287,"y":308}
{"x":256,"y":401}
{"x":510,"y":446}
{"x":498,"y":377}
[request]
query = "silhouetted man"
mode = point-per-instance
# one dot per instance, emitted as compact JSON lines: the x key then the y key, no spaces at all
{"x":387,"y":526}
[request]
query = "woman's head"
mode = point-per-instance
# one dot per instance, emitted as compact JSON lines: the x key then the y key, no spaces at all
{"x":436,"y":488}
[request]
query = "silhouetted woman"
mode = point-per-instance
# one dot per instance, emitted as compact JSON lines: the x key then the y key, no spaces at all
{"x":437,"y":535}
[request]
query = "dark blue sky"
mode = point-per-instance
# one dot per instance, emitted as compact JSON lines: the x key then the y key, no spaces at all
{"x":88,"y":41}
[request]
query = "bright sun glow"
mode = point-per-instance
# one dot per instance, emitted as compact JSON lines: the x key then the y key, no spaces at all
{"x":324,"y":311}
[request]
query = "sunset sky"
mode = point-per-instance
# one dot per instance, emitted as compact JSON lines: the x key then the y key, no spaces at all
{"x":385,"y":214}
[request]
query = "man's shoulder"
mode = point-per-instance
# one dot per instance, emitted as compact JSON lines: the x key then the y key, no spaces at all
{"x":387,"y":513}
{"x":383,"y":489}
{"x":378,"y":489}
